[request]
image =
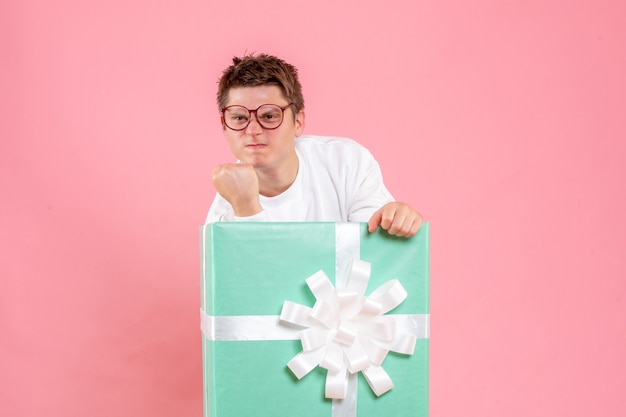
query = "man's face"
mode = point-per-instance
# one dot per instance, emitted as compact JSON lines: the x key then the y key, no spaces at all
{"x":262,"y":148}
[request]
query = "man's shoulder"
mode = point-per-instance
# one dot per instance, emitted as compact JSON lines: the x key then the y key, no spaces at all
{"x":332,"y":144}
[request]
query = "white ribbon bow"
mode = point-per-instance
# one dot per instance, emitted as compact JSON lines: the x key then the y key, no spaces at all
{"x":347,"y":332}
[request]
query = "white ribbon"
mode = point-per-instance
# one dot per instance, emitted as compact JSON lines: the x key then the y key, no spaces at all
{"x":347,"y":332}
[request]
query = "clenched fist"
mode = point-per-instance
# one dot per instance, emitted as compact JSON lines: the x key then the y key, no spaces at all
{"x":239,"y":185}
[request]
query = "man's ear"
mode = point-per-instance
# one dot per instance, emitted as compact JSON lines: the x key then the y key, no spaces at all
{"x":300,"y":122}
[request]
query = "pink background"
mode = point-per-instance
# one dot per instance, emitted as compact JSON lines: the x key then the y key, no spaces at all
{"x":502,"y":122}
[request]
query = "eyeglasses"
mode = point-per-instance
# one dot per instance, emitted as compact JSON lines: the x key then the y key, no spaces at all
{"x":269,"y":116}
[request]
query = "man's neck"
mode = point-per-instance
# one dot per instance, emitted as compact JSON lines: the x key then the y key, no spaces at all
{"x":273,"y":182}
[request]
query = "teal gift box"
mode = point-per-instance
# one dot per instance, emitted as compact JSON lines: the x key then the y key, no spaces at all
{"x":249,"y":270}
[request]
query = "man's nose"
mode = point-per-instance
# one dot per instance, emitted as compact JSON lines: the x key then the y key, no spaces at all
{"x":254,"y":127}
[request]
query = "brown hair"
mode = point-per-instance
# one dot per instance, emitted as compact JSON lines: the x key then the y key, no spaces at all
{"x":262,"y":69}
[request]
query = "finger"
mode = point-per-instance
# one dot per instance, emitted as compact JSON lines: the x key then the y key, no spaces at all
{"x":387,"y":217}
{"x":393,"y":220}
{"x":406,"y":230}
{"x":374,"y":221}
{"x":400,"y":227}
{"x":411,"y":225}
{"x":415,"y":227}
{"x":404,"y":222}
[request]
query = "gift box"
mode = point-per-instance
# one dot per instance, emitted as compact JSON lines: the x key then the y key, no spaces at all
{"x":254,"y":274}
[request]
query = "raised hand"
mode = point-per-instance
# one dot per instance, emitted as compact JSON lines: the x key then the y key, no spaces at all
{"x":239,"y":185}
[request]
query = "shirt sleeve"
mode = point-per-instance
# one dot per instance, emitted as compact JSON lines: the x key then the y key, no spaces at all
{"x":370,"y":192}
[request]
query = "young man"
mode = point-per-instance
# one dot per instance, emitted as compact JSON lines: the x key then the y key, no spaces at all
{"x":284,"y":176}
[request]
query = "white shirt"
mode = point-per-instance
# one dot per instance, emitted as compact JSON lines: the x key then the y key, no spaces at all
{"x":338,"y":180}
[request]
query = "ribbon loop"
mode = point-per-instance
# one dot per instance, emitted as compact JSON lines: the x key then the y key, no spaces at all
{"x":382,"y":328}
{"x":313,"y":338}
{"x":305,"y":362}
{"x":359,"y":276}
{"x":332,"y":359}
{"x":295,"y":314}
{"x":378,"y":380}
{"x":403,"y":343}
{"x":336,"y":385}
{"x":320,"y":285}
{"x":325,"y":313}
{"x":390,"y":295}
